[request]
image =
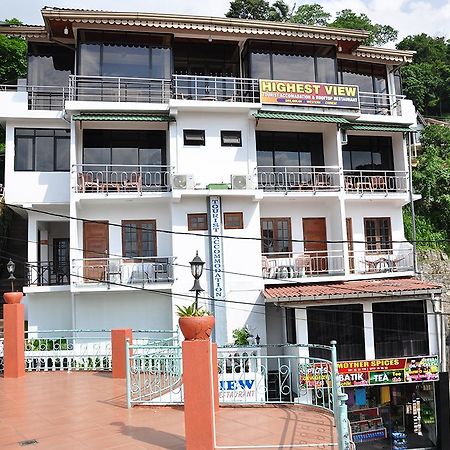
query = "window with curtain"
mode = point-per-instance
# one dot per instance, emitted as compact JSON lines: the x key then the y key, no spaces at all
{"x":276,"y":235}
{"x":378,"y":233}
{"x":138,"y":238}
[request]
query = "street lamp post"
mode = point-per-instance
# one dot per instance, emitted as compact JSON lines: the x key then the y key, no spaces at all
{"x":196,"y":270}
{"x":11,"y":267}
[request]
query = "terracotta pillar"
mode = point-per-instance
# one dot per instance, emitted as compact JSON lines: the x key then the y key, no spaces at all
{"x":119,"y":357}
{"x":198,"y":395}
{"x":215,"y":369}
{"x":14,"y":340}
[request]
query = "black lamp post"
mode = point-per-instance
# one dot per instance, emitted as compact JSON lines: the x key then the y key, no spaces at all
{"x":11,"y":267}
{"x":196,"y":270}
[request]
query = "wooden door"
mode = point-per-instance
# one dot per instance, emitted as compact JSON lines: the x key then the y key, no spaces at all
{"x":315,"y":237}
{"x":351,"y":256}
{"x":95,"y":245}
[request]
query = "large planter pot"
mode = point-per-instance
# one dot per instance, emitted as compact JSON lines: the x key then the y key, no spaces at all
{"x":12,"y":297}
{"x":196,"y":328}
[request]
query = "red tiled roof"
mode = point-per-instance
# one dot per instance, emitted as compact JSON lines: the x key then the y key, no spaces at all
{"x":362,"y":288}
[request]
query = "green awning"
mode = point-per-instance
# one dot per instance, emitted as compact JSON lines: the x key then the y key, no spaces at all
{"x":124,"y":117}
{"x":376,"y":127}
{"x":299,"y":117}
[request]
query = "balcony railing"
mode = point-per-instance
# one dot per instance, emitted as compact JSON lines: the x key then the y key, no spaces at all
{"x":375,"y":181}
{"x":48,"y":273}
{"x":118,"y":89}
{"x":381,"y":261}
{"x":225,"y":89}
{"x":109,"y":178}
{"x":298,"y":178}
{"x":306,"y":264}
{"x":381,"y":104}
{"x":122,"y":271}
{"x":40,"y":97}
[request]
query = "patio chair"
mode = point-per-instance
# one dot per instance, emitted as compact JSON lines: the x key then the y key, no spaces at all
{"x":303,"y":265}
{"x":133,"y":183}
{"x":88,"y":182}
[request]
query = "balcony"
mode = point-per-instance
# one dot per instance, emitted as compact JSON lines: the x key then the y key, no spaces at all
{"x":380,"y":104}
{"x":298,"y":178}
{"x":118,"y":89}
{"x":122,"y":272}
{"x":47,"y":273}
{"x":375,"y":181}
{"x":38,"y":97}
{"x":381,"y":261}
{"x":113,"y":179}
{"x":302,"y":265}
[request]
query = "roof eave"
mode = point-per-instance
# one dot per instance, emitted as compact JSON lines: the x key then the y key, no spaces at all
{"x":386,"y":54}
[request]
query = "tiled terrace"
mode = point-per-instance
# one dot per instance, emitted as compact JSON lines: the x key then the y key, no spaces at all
{"x":87,"y":410}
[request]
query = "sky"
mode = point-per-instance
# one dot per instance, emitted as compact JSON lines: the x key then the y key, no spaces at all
{"x":407,"y":16}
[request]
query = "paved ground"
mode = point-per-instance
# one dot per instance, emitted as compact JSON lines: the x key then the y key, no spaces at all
{"x":87,"y":411}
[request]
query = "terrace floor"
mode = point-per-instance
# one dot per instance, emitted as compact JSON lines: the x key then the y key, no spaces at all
{"x":87,"y":410}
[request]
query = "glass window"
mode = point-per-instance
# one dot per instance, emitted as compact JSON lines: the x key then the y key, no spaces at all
{"x":138,"y":238}
{"x":194,"y":137}
{"x":260,"y":65}
{"x":276,"y":235}
{"x":291,"y":330}
{"x":400,"y":329}
{"x":197,"y":222}
{"x":42,"y":150}
{"x":89,"y":59}
{"x":378,"y":233}
{"x":233,"y":220}
{"x":231,"y":138}
{"x":368,"y":153}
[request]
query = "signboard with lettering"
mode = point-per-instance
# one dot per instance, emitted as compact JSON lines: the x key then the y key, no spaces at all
{"x":241,"y":388}
{"x":215,"y":226}
{"x":373,"y":372}
{"x":370,"y":435}
{"x":309,"y":94}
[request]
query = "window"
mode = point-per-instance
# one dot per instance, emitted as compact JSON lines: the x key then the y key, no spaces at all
{"x":138,"y":238}
{"x":194,"y":137}
{"x":343,"y":323}
{"x":231,"y":138}
{"x":404,"y":334}
{"x":233,"y":221}
{"x":378,"y":233}
{"x":291,"y":331}
{"x":276,"y":235}
{"x":368,"y":153}
{"x":197,"y":222}
{"x":42,"y":150}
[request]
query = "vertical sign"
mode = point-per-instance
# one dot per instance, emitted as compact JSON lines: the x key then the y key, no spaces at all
{"x":217,"y":266}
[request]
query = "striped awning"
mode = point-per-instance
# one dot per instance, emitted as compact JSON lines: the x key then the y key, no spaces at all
{"x":300,"y":117}
{"x":376,"y":127}
{"x":124,"y":117}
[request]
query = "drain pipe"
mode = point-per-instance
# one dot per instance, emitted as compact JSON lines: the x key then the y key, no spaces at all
{"x":410,"y":138}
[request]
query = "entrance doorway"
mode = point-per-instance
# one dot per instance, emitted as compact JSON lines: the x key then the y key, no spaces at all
{"x":315,"y":237}
{"x":95,"y":245}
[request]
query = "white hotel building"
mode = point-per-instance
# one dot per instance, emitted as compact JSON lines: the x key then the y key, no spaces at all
{"x":138,"y":139}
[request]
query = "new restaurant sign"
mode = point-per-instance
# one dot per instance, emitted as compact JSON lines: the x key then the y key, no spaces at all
{"x":373,"y":372}
{"x":309,"y":94}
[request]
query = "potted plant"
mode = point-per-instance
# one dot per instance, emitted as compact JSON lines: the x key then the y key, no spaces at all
{"x":196,"y":323}
{"x":242,"y":336}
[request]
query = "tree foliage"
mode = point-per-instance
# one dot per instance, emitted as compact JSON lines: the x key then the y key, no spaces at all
{"x":13,"y":56}
{"x":311,"y":14}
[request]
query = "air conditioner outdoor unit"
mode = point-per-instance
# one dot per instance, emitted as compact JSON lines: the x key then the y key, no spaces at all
{"x":183,"y":182}
{"x":242,"y":182}
{"x":344,"y":137}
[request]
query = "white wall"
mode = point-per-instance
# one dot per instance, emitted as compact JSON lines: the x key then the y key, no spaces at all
{"x":49,"y":311}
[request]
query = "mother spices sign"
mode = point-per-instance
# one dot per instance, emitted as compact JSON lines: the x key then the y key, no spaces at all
{"x":374,"y":372}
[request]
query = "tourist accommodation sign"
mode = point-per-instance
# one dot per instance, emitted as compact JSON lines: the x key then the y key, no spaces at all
{"x":300,"y":93}
{"x":373,"y":372}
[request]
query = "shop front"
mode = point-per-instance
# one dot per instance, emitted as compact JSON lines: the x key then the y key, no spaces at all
{"x":391,"y":402}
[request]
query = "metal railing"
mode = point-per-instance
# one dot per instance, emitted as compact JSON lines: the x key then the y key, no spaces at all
{"x":298,"y":178}
{"x":225,"y":89}
{"x":381,"y":104}
{"x":47,"y":273}
{"x":113,"y":178}
{"x":375,"y":181}
{"x":40,"y":97}
{"x":381,"y":260}
{"x":118,"y":89}
{"x":122,"y":271}
{"x":306,"y":264}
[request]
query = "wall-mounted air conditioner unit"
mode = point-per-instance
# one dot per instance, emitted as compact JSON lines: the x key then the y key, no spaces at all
{"x":183,"y":182}
{"x":242,"y":182}
{"x":344,"y":137}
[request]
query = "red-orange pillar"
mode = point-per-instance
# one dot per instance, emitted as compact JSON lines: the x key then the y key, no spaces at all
{"x":119,"y":356}
{"x":215,"y":369}
{"x":198,"y":395}
{"x":14,"y":340}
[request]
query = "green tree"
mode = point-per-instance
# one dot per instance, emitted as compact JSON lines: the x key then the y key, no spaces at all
{"x":249,"y":9}
{"x":379,"y":34}
{"x":311,"y":14}
{"x":280,"y":12}
{"x":428,"y":49}
{"x":13,"y":56}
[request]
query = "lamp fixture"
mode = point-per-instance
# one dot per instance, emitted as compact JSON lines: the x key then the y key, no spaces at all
{"x":209,"y":38}
{"x":66,"y":31}
{"x":196,"y":270}
{"x":11,"y":267}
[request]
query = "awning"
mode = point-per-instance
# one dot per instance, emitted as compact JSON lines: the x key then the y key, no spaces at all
{"x":349,"y":290}
{"x":124,"y":117}
{"x":375,"y":127}
{"x":299,"y":117}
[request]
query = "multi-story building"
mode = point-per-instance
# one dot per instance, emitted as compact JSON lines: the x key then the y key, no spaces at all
{"x":279,"y":152}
